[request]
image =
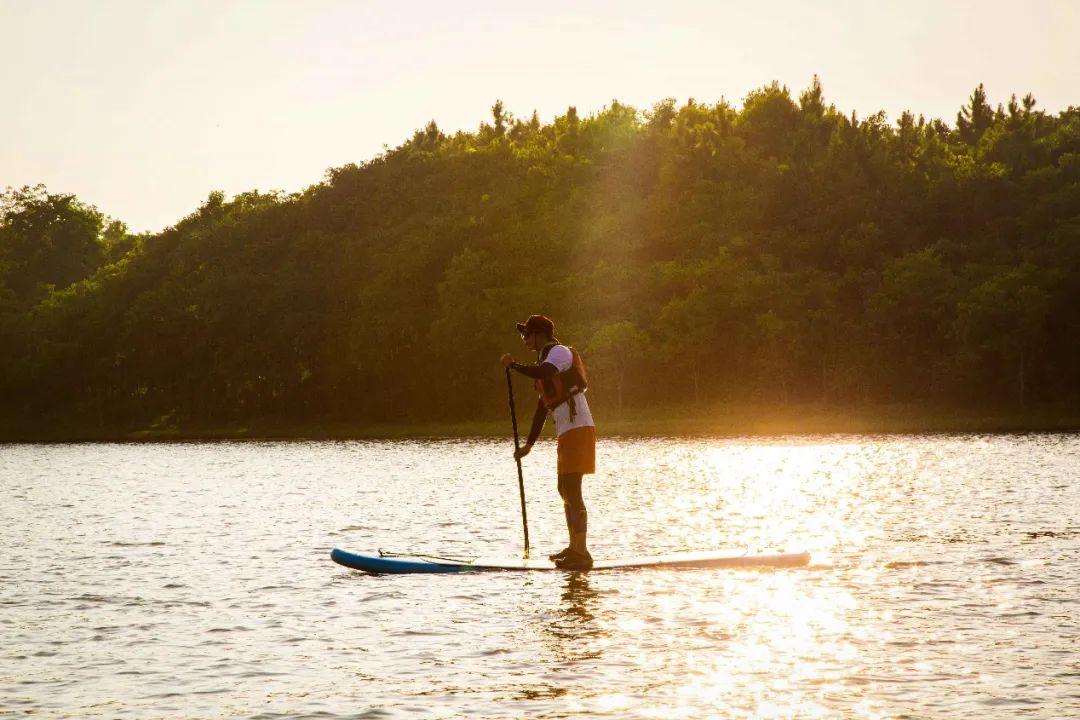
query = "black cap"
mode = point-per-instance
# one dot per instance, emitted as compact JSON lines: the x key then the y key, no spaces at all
{"x":537,"y":323}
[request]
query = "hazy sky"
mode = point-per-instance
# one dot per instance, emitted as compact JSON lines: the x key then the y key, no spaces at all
{"x":142,"y":107}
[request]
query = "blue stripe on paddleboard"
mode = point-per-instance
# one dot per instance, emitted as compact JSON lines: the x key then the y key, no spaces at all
{"x":374,"y":564}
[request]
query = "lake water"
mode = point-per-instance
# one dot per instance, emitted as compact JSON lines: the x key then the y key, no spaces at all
{"x":193,"y":580}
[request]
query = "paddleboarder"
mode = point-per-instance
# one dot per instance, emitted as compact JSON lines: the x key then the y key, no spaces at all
{"x":560,"y":381}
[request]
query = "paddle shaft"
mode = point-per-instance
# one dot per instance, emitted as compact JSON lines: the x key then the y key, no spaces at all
{"x":517,"y":446}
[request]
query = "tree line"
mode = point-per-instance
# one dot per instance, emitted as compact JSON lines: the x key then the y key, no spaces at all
{"x":779,"y":252}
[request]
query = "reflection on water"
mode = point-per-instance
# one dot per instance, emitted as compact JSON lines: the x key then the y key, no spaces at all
{"x":578,"y":602}
{"x":573,"y":630}
{"x":193,"y":580}
{"x":570,"y":636}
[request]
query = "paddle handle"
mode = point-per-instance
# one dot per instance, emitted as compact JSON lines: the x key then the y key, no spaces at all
{"x":517,"y":446}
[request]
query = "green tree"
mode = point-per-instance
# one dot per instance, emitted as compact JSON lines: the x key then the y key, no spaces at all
{"x":911,"y":314}
{"x":1002,"y":320}
{"x":613,"y":349}
{"x":688,"y":328}
{"x":47,"y":240}
{"x":975,"y":118}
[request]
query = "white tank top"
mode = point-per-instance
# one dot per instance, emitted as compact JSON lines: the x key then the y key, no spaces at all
{"x":561,"y":357}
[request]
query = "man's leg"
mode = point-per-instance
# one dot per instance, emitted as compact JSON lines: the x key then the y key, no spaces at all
{"x":577,"y":516}
{"x":566,"y":512}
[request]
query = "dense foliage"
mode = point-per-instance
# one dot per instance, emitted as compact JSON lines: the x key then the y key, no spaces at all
{"x":781,"y":252}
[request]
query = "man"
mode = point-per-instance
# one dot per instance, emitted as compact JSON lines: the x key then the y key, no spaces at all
{"x":559,"y":377}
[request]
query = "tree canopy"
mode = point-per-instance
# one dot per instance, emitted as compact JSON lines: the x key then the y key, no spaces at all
{"x":781,"y":252}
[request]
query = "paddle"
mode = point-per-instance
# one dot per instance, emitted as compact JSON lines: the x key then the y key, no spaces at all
{"x":521,"y":478}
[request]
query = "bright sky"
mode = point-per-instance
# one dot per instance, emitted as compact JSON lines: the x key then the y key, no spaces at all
{"x":142,"y":107}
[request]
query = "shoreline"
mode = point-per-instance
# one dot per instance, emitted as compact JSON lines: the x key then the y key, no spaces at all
{"x":719,"y":421}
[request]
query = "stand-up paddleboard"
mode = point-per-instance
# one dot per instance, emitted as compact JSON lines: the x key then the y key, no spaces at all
{"x":407,"y":563}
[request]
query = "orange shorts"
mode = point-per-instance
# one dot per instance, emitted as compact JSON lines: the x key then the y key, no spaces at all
{"x":577,"y":451}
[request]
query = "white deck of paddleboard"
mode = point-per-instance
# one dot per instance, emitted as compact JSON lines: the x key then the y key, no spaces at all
{"x":732,"y":558}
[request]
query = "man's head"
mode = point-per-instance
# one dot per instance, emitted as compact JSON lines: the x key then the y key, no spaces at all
{"x":537,"y":331}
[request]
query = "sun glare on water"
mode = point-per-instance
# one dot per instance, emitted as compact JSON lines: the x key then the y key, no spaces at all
{"x":773,"y":497}
{"x":785,"y":639}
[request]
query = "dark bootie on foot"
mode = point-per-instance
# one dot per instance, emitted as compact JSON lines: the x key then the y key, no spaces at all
{"x":559,"y":555}
{"x":574,"y":560}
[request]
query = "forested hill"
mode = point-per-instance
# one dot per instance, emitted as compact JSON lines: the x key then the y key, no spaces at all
{"x":783,"y":252}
